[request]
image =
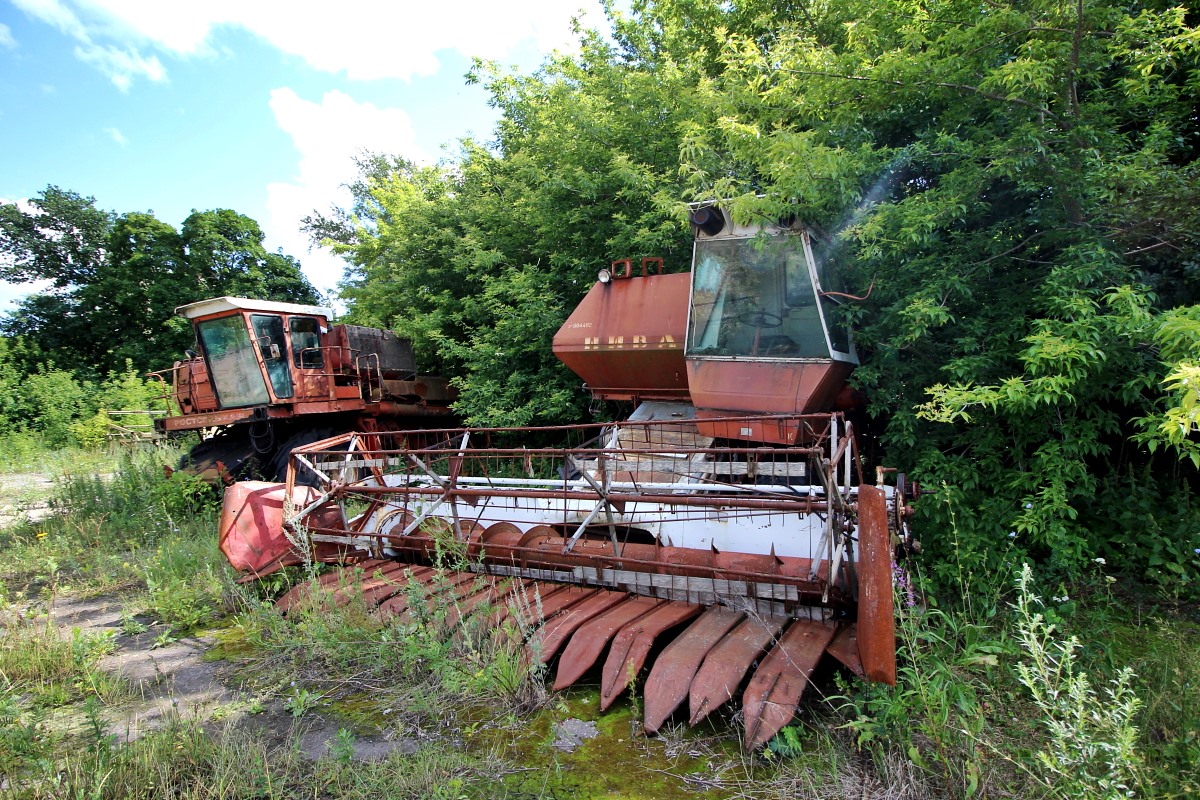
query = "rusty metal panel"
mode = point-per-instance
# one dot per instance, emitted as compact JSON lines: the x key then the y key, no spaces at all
{"x":495,"y":591}
{"x":214,"y":419}
{"x":251,"y":533}
{"x":310,"y":384}
{"x":430,"y":587}
{"x":672,"y":673}
{"x":474,"y":594}
{"x":844,"y":648}
{"x":559,"y":628}
{"x":625,"y":339}
{"x":728,"y":662}
{"x":376,"y":584}
{"x":192,"y":387}
{"x":589,"y":640}
{"x":876,"y":610}
{"x":762,"y":387}
{"x":769,"y":702}
{"x":396,"y":357}
{"x":329,"y":579}
{"x":542,"y":603}
{"x":632,"y":645}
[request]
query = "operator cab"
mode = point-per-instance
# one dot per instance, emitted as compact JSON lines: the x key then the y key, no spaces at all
{"x":253,"y":348}
{"x":762,"y":335}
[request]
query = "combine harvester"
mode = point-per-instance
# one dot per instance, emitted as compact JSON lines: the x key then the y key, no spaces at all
{"x":272,"y":376}
{"x":722,"y":536}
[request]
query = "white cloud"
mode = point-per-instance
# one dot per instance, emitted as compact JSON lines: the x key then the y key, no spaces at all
{"x":328,"y":135}
{"x":54,"y":13}
{"x":117,"y":136}
{"x":121,"y":64}
{"x":366,"y":39}
{"x":6,"y":37}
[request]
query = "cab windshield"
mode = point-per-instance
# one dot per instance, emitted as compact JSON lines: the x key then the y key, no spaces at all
{"x":755,"y":297}
{"x":231,"y":362}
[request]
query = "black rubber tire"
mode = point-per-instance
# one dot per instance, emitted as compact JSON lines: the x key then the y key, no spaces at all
{"x":279,"y":463}
{"x":231,"y":447}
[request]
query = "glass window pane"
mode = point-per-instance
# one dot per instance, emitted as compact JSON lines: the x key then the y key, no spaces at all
{"x":268,"y":334}
{"x":754,"y":297}
{"x":306,"y":343}
{"x":231,"y":363}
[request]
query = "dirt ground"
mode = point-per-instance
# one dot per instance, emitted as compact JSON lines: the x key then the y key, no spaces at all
{"x":24,"y":495}
{"x":169,"y":676}
{"x":175,"y":678}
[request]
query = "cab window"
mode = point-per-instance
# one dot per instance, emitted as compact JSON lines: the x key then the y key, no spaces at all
{"x":306,"y":342}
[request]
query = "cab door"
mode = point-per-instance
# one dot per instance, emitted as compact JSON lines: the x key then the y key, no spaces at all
{"x":308,"y":358}
{"x":273,"y":350}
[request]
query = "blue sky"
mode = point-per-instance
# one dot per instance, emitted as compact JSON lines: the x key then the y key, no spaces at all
{"x":254,"y":105}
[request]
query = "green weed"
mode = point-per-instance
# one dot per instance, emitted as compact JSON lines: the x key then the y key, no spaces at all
{"x":1091,"y":749}
{"x":35,"y":659}
{"x":301,"y":701}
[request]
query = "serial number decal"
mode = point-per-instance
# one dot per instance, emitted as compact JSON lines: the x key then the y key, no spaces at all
{"x":636,"y":342}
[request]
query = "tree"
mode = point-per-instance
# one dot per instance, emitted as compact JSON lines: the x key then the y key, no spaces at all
{"x":479,"y":262}
{"x":1017,"y":182}
{"x":116,"y":279}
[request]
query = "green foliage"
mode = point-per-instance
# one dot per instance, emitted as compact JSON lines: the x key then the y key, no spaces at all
{"x":479,"y":262}
{"x":186,"y":584}
{"x":120,"y":524}
{"x":116,"y":279}
{"x":1092,"y":737}
{"x":301,"y":701}
{"x":64,"y":409}
{"x":935,"y":715}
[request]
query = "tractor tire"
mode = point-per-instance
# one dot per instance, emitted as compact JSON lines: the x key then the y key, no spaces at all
{"x":229,"y":455}
{"x":279,"y":463}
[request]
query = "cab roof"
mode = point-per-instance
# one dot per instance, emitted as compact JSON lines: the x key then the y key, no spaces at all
{"x":219,"y":304}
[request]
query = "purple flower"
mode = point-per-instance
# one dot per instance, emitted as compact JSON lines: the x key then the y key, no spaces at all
{"x":900,"y":577}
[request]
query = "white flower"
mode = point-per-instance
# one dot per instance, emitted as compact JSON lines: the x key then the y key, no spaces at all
{"x":1100,"y":561}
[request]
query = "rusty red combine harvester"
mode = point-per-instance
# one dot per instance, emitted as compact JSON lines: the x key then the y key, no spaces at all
{"x":721,"y":539}
{"x":271,"y":376}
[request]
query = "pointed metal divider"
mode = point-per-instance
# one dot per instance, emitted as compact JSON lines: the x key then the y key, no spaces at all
{"x":769,"y":702}
{"x":632,"y":645}
{"x":590,"y":639}
{"x":727,"y":664}
{"x":672,"y":672}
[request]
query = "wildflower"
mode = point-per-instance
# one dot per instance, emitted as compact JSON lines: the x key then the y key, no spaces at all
{"x":1100,"y":561}
{"x":1196,"y":551}
{"x":900,"y":577}
{"x":44,"y":534}
{"x":1028,"y":506}
{"x":1012,"y":534}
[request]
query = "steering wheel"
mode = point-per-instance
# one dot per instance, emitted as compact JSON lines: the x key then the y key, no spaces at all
{"x":760,"y":319}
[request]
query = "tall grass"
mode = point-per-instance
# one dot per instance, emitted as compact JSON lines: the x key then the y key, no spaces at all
{"x":988,"y":702}
{"x":130,"y":527}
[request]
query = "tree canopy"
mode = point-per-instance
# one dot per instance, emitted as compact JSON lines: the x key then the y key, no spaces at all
{"x":1018,"y":182}
{"x":115,"y":280}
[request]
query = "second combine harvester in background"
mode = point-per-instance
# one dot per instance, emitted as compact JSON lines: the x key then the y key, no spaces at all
{"x":723,"y":532}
